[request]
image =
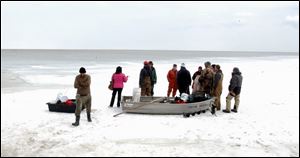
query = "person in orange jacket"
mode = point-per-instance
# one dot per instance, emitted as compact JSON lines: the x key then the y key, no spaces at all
{"x":172,"y":81}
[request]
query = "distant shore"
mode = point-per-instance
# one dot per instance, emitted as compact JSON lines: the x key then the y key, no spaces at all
{"x":166,"y":50}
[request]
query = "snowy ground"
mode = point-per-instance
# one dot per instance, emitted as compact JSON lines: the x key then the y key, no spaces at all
{"x":266,"y":125}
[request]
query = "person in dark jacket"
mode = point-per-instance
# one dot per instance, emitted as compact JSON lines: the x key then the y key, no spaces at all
{"x":153,"y":77}
{"x":145,"y":80}
{"x":184,"y":80}
{"x":197,"y":73}
{"x":197,"y":86}
{"x":234,"y":90}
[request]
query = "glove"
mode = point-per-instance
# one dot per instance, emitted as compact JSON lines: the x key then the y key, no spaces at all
{"x":232,"y":93}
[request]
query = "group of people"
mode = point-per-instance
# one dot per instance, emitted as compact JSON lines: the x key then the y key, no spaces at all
{"x":204,"y":82}
{"x":146,"y":82}
{"x":147,"y":79}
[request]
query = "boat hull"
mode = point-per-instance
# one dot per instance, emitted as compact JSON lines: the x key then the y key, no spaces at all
{"x":154,"y":105}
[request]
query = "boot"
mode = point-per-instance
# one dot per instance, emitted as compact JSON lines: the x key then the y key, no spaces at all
{"x":225,"y":111}
{"x":213,"y":109}
{"x":89,"y":117}
{"x":77,"y":121}
{"x":234,"y":110}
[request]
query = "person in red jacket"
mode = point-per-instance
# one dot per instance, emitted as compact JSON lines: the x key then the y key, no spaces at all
{"x":172,"y":81}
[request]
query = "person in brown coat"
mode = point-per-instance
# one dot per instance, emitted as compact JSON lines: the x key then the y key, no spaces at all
{"x":145,"y":80}
{"x":206,"y":78}
{"x":83,"y":96}
{"x":218,"y":86}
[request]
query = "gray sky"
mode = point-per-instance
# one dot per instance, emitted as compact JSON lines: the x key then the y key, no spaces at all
{"x":248,"y":26}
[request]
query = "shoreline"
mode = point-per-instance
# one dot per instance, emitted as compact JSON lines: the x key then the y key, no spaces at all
{"x":12,"y":82}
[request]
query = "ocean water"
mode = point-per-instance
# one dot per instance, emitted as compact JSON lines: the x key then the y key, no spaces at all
{"x":51,"y":58}
{"x":60,"y":66}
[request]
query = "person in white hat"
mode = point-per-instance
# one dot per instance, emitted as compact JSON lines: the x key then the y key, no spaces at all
{"x":184,"y":80}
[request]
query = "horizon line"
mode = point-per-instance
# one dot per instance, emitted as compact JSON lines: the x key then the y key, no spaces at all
{"x":191,"y":50}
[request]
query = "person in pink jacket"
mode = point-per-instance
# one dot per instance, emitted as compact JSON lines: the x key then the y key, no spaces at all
{"x":117,"y":79}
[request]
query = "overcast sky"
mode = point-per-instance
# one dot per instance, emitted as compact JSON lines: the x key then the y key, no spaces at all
{"x":237,"y":26}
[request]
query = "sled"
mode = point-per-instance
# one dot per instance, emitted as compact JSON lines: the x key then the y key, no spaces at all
{"x":63,"y":107}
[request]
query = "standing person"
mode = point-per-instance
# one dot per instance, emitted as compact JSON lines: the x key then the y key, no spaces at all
{"x":234,"y":90}
{"x":153,"y":77}
{"x":195,"y":78}
{"x":117,"y":79}
{"x":184,"y":80}
{"x":83,"y":96}
{"x":206,"y":78}
{"x":213,"y":66}
{"x":218,"y":86}
{"x":197,"y":72}
{"x":172,"y":81}
{"x":145,"y":80}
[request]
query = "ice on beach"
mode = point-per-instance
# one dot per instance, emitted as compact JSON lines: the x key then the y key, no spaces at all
{"x":267,"y":123}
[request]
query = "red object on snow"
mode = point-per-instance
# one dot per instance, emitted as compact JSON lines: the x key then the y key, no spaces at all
{"x":69,"y":102}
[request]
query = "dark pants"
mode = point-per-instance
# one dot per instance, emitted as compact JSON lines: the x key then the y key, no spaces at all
{"x":185,"y":89}
{"x":152,"y":87}
{"x":115,"y":90}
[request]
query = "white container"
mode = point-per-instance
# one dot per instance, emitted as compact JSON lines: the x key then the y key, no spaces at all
{"x":184,"y":97}
{"x":61,"y":97}
{"x":136,"y":95}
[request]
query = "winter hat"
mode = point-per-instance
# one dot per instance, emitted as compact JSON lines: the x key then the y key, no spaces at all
{"x":82,"y":70}
{"x":207,"y":64}
{"x":182,"y":65}
{"x":146,"y":62}
{"x":236,"y":70}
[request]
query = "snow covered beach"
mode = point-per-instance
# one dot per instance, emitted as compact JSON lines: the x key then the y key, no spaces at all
{"x":266,"y":125}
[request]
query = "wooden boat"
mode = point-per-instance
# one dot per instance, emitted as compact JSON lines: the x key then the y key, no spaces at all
{"x":166,"y":106}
